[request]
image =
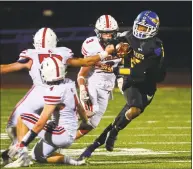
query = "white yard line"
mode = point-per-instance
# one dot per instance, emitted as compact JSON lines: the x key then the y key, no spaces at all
{"x":138,"y":162}
{"x":4,"y":136}
{"x":109,"y":117}
{"x":147,"y":143}
{"x":126,"y":143}
{"x":146,"y":135}
{"x":118,"y":152}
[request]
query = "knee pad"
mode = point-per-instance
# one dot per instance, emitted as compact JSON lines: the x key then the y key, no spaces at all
{"x":38,"y":158}
{"x":36,"y":155}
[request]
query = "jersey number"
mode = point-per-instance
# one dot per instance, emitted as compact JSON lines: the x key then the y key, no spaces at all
{"x":88,"y":41}
{"x":42,"y":56}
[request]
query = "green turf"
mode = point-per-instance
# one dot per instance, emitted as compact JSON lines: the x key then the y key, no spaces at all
{"x":163,"y":131}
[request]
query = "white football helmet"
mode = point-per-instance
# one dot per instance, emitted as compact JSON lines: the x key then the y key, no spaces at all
{"x":52,"y":70}
{"x":106,"y":24}
{"x":45,"y":38}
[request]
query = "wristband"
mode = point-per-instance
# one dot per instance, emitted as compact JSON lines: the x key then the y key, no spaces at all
{"x":82,"y":87}
{"x":28,"y":138}
{"x":81,"y":77}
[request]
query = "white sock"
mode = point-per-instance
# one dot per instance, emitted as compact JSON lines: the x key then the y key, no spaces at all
{"x":69,"y":160}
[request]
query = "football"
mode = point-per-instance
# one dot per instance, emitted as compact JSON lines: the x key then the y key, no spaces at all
{"x":122,"y":49}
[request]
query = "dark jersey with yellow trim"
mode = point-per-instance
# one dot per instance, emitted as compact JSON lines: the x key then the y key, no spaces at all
{"x":145,"y":61}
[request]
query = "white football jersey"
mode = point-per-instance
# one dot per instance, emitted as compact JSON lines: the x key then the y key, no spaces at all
{"x":65,"y":96}
{"x":37,"y":56}
{"x":105,"y":80}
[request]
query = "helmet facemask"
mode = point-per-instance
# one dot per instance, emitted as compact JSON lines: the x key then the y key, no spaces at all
{"x":146,"y":25}
{"x":106,"y":29}
{"x":110,"y":36}
{"x":142,"y":31}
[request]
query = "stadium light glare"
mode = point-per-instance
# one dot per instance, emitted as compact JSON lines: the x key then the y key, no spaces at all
{"x":48,"y":12}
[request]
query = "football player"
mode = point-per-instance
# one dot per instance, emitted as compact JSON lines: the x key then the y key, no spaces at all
{"x":143,"y":69}
{"x":61,"y":102}
{"x":95,"y":84}
{"x":45,"y":43}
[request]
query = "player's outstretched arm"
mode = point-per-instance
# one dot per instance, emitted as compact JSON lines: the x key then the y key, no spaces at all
{"x":91,"y":60}
{"x":13,"y":67}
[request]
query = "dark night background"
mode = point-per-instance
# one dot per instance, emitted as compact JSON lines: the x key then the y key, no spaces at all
{"x":175,"y":19}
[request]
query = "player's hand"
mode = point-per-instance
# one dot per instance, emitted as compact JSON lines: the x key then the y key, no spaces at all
{"x":89,"y":113}
{"x":110,"y":49}
{"x":122,"y":49}
{"x":120,"y":84}
{"x":83,"y":93}
{"x":16,"y":149}
{"x":51,"y":125}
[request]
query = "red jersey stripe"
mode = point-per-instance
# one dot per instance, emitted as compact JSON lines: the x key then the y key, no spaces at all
{"x":52,"y":100}
{"x":52,"y":97}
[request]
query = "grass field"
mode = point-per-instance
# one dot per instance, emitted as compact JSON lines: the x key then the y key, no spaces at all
{"x":160,"y":138}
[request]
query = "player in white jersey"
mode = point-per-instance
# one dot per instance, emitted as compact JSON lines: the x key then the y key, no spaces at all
{"x":61,"y":102}
{"x":95,"y":84}
{"x":45,"y":41}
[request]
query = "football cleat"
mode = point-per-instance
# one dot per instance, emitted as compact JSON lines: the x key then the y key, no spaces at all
{"x":110,"y":141}
{"x":70,"y":161}
{"x":22,"y":161}
{"x":5,"y":158}
{"x":87,"y":153}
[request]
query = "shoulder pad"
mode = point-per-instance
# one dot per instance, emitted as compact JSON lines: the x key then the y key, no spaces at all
{"x":89,"y":45}
{"x":26,"y":53}
{"x":64,"y":51}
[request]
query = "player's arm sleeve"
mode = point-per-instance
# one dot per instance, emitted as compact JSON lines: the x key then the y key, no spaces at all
{"x":67,"y":54}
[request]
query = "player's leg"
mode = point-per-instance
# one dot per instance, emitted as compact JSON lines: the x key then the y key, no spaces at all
{"x":136,"y":103}
{"x":99,"y":141}
{"x":43,"y":152}
{"x":23,"y":157}
{"x":12,"y":121}
{"x":93,"y":106}
{"x":103,"y":97}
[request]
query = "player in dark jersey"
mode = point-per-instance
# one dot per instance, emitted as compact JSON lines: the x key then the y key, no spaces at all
{"x":143,"y":69}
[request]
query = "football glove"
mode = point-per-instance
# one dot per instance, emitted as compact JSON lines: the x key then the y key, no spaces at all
{"x":83,"y":94}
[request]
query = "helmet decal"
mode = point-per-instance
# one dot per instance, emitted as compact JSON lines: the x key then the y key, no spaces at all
{"x":107,"y":26}
{"x":107,"y":21}
{"x":57,"y":67}
{"x":43,"y":38}
{"x":52,"y":70}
